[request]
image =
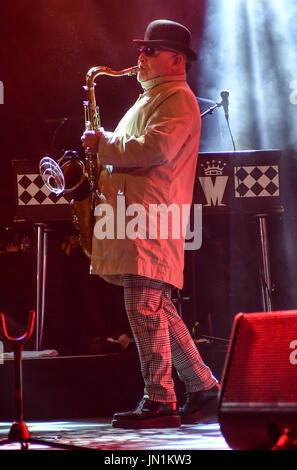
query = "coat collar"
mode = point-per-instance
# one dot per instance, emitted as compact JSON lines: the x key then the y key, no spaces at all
{"x":149,"y":84}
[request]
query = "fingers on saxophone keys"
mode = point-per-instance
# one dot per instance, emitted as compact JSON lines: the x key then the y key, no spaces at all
{"x":87,"y":138}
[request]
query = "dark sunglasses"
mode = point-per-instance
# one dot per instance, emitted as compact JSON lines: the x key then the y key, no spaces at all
{"x":151,"y":51}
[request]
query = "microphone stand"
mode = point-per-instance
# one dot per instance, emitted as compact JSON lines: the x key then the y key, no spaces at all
{"x":211,"y":110}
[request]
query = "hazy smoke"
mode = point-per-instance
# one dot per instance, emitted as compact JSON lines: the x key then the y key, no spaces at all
{"x":249,"y":48}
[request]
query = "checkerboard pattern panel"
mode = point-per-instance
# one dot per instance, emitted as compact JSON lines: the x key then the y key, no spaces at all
{"x":256,"y":181}
{"x":32,"y":192}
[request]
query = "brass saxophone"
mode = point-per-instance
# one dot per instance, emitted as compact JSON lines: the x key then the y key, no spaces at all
{"x":83,"y":211}
{"x":71,"y":174}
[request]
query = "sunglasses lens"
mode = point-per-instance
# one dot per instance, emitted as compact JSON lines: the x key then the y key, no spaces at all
{"x":149,"y":51}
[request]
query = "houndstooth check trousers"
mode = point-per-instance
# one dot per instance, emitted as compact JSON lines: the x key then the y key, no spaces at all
{"x":162,"y":339}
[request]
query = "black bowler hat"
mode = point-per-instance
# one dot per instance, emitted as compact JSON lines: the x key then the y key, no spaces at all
{"x":166,"y":33}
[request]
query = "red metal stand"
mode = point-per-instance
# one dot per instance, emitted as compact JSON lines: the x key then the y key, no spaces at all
{"x":19,"y":432}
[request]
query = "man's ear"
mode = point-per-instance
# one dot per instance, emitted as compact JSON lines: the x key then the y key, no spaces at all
{"x":178,"y":60}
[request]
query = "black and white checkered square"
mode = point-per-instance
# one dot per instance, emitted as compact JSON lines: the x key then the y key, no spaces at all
{"x":256,"y":181}
{"x":32,"y":192}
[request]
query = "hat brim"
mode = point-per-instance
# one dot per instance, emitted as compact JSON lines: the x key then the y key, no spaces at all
{"x":176,"y":46}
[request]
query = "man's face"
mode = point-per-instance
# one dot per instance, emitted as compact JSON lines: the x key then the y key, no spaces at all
{"x":155,"y":63}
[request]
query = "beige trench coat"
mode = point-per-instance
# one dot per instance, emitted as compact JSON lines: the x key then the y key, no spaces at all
{"x":153,"y":152}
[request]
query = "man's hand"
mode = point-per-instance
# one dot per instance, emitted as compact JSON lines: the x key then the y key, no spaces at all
{"x":90,"y":140}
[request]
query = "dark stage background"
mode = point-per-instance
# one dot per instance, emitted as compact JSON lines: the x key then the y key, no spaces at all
{"x":46,"y":49}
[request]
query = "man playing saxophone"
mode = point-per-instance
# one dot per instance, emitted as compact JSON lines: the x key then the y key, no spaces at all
{"x":153,"y":152}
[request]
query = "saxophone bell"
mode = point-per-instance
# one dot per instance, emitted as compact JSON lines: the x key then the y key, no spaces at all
{"x":63,"y":176}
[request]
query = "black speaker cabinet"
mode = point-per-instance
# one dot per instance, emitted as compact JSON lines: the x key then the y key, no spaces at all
{"x":258,"y":399}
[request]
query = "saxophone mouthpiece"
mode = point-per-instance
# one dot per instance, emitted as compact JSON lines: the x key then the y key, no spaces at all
{"x":132,"y":70}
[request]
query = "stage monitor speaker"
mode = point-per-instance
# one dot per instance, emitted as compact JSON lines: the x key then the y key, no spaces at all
{"x":258,"y":400}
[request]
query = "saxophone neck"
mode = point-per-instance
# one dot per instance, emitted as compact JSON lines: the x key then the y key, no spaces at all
{"x":129,"y":71}
{"x":102,"y":70}
{"x":92,"y":118}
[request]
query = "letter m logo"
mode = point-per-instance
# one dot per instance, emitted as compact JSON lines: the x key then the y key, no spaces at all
{"x":214,"y":190}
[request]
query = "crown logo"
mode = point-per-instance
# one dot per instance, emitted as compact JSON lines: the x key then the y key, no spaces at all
{"x":213,"y":168}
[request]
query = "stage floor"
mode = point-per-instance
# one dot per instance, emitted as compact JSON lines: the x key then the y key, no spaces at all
{"x":99,"y":434}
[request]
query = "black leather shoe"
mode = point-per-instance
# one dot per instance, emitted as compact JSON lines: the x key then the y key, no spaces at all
{"x":199,"y":405}
{"x":148,"y":414}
